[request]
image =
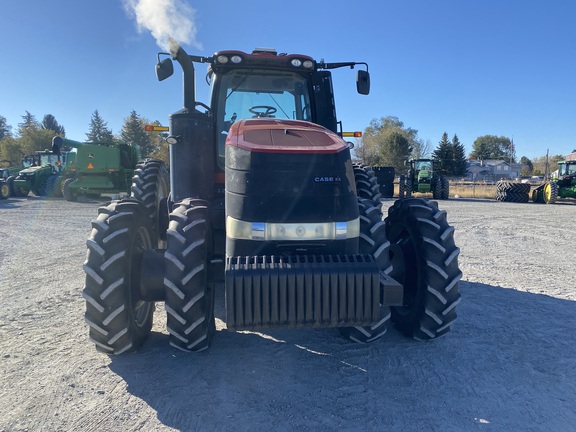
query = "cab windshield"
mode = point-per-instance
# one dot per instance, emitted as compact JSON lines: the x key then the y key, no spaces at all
{"x":246,"y":94}
{"x":424,"y":165}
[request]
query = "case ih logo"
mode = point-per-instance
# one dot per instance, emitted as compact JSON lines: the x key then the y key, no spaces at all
{"x":328,"y":179}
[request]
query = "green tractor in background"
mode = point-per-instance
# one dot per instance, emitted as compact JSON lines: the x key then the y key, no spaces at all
{"x":4,"y":188}
{"x":42,"y":175}
{"x":424,"y":177}
{"x":93,"y":169}
{"x":562,"y":184}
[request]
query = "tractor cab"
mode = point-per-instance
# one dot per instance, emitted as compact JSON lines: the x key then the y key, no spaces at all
{"x":261,"y":85}
{"x":566,"y":168}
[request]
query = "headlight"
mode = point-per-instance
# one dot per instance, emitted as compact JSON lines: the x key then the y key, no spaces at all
{"x":243,"y":230}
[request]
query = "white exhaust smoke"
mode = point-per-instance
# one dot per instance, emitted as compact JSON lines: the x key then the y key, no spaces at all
{"x":165,"y":19}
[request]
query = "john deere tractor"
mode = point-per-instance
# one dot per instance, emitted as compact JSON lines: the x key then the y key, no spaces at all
{"x":42,"y":174}
{"x":561,"y":185}
{"x":424,"y":177}
{"x":264,"y":204}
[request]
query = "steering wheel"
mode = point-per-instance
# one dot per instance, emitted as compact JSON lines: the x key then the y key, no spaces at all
{"x":208,"y":109}
{"x":257,"y":111}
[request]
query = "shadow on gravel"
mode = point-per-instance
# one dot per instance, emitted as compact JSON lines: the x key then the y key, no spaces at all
{"x":9,"y":203}
{"x":508,"y":364}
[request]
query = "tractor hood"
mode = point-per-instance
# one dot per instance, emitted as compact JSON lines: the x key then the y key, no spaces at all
{"x":283,"y":136}
{"x":32,"y":170}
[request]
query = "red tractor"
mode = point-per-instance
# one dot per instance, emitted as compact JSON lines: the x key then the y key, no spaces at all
{"x":265,"y":202}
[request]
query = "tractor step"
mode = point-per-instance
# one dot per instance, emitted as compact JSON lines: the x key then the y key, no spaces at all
{"x":302,"y":291}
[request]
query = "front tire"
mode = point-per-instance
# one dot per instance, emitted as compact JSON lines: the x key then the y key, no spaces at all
{"x":189,"y":294}
{"x":119,"y":321}
{"x":550,"y":192}
{"x":425,"y":262}
{"x":373,"y":241}
{"x":4,"y":190}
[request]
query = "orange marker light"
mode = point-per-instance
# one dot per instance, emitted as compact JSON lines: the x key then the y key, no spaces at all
{"x":154,"y":128}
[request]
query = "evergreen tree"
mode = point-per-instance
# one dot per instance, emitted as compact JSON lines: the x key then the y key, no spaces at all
{"x":50,"y":123}
{"x":444,"y":154}
{"x":29,"y":122}
{"x":459,"y":157}
{"x":5,"y":128}
{"x":133,"y":132}
{"x":527,"y":166}
{"x":99,"y":131}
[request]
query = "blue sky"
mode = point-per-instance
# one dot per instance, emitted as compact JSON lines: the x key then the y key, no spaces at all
{"x":465,"y":67}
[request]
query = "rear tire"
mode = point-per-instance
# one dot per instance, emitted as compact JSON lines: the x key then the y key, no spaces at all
{"x":402,"y":187}
{"x":437,"y":190}
{"x":373,"y":241}
{"x":445,"y":188}
{"x":150,"y":184}
{"x":367,"y":186}
{"x":425,"y":262}
{"x":67,"y":192}
{"x":189,"y":295}
{"x":119,"y":321}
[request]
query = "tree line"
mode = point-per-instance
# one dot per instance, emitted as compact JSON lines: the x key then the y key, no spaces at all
{"x":387,"y":142}
{"x":32,"y":135}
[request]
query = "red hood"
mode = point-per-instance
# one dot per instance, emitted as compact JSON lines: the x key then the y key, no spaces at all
{"x":283,"y":136}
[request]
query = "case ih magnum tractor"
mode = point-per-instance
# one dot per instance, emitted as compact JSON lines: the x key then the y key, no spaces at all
{"x":264,"y":202}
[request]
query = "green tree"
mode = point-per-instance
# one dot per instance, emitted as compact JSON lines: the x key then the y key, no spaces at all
{"x":50,"y":123}
{"x":527,"y":166}
{"x":10,"y":151}
{"x":386,"y":142}
{"x":32,"y":140}
{"x":28,"y":122}
{"x":133,"y":132}
{"x":99,"y":131}
{"x":444,"y":155}
{"x":492,"y":147}
{"x":458,"y":157}
{"x":5,"y":128}
{"x":545,"y":165}
{"x":161,"y":149}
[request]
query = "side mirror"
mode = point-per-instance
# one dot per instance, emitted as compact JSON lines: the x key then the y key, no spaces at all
{"x":164,"y":69}
{"x":363,"y":82}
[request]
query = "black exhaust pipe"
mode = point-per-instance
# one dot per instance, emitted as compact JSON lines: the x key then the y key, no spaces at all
{"x":187,"y":65}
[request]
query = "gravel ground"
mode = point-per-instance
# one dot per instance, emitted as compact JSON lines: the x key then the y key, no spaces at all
{"x":509,"y":363}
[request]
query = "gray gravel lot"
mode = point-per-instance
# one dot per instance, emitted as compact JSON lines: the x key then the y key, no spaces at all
{"x":509,"y":363}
